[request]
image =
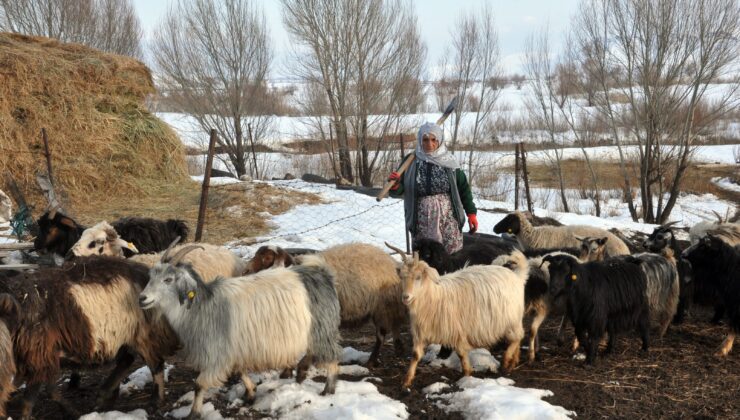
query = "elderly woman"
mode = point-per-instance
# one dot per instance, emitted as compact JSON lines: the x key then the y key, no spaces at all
{"x":436,"y":192}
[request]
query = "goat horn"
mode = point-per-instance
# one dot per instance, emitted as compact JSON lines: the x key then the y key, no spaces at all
{"x":182,"y":252}
{"x":53,"y":211}
{"x":167,"y":251}
{"x":401,"y":253}
{"x":719,"y":217}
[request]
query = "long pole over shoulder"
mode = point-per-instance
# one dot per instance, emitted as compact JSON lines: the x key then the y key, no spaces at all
{"x":412,"y":156}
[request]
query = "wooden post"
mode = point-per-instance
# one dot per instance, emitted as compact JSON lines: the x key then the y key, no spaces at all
{"x":400,"y":140}
{"x":204,"y":190}
{"x":47,"y":153}
{"x":254,"y":155}
{"x":516,"y":176}
{"x":525,"y":175}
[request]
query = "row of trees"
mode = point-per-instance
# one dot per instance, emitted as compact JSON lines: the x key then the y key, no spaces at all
{"x":641,"y":69}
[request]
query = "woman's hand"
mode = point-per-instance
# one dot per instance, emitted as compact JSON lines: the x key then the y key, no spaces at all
{"x":473,"y":222}
{"x":395,"y":177}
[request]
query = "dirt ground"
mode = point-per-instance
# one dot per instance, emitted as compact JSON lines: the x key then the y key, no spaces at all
{"x":678,"y":378}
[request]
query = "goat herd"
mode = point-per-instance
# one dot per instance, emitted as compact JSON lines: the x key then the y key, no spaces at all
{"x":279,"y":311}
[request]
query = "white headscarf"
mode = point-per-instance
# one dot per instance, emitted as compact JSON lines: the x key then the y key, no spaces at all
{"x":440,"y":156}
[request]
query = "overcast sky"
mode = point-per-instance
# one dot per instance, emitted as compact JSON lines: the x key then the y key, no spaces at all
{"x":515,"y":20}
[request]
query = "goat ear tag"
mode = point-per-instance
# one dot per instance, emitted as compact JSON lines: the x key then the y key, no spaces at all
{"x":191,"y":294}
{"x":508,"y":230}
{"x":573,"y":277}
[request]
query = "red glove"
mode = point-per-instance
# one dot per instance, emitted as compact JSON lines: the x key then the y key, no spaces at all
{"x":395,"y":177}
{"x":473,"y":222}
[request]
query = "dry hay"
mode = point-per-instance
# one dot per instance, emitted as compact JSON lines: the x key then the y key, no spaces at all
{"x":104,"y":141}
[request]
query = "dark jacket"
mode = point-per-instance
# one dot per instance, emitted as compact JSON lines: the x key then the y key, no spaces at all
{"x":460,"y":195}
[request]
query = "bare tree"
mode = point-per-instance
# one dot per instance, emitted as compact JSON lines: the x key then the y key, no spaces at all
{"x":217,"y":55}
{"x":108,"y":25}
{"x":668,"y":52}
{"x":547,"y":101}
{"x":367,"y":55}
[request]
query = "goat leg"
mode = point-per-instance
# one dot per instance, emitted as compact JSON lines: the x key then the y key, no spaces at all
{"x":109,"y":389}
{"x":418,"y":352}
{"x":379,"y":339}
{"x":29,"y":399}
{"x":332,"y":371}
{"x":302,"y":368}
{"x":56,"y":396}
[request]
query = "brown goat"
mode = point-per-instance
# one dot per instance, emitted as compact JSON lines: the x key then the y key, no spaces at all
{"x":9,"y":311}
{"x":268,"y":256}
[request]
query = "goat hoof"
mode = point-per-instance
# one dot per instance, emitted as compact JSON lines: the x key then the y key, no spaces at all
{"x":194,"y":416}
{"x":406,"y":390}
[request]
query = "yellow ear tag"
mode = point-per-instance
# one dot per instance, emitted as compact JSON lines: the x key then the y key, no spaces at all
{"x":573,"y":277}
{"x":509,"y":230}
{"x":131,"y":245}
{"x":191,"y":295}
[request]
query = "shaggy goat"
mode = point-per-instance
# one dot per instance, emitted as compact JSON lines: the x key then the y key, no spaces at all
{"x":555,"y":236}
{"x":86,"y":312}
{"x":209,"y":261}
{"x":470,"y":308}
{"x":662,"y":286}
{"x":660,"y":241}
{"x":268,"y":256}
{"x":9,"y":312}
{"x":367,"y":285}
{"x":536,"y":299}
{"x":721,"y":264}
{"x":435,"y":254}
{"x":593,"y":248}
{"x":259,"y":322}
{"x":58,"y":233}
{"x":601,"y":296}
{"x":726,"y":231}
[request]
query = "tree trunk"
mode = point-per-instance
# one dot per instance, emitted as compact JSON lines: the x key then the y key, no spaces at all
{"x":345,"y":159}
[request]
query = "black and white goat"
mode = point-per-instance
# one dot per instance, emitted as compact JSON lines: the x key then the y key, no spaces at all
{"x":720,"y":264}
{"x":601,"y":296}
{"x":58,"y":233}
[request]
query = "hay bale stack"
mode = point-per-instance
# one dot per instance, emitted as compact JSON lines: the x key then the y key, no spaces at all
{"x":103,"y":139}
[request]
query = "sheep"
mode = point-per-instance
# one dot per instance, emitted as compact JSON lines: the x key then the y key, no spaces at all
{"x":435,"y":254}
{"x":601,"y":296}
{"x":721,"y":264}
{"x":536,"y":300}
{"x":367,"y":285}
{"x":87,"y":312}
{"x":258,"y":322}
{"x":472,"y":307}
{"x":58,"y":233}
{"x":555,"y":236}
{"x":661,"y":241}
{"x":210,"y":261}
{"x":9,"y":312}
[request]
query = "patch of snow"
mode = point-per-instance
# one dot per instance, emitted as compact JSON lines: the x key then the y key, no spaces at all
{"x":499,"y":399}
{"x":138,"y":414}
{"x":480,"y":359}
{"x":351,"y":355}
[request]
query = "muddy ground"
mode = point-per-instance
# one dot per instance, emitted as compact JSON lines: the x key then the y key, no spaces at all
{"x":678,"y":378}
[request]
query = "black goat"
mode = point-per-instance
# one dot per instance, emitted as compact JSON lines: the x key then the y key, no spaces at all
{"x":690,"y":291}
{"x":541,"y":252}
{"x":480,"y":253}
{"x":58,"y":233}
{"x":601,"y":296}
{"x":720,"y":264}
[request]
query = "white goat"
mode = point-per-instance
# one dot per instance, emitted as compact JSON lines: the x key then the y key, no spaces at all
{"x":258,"y":322}
{"x":470,"y":308}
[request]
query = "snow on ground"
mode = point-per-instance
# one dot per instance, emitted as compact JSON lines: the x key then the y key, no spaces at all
{"x":497,"y":399}
{"x":726,"y":184}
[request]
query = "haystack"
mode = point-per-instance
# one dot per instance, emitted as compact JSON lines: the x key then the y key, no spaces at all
{"x":104,"y":141}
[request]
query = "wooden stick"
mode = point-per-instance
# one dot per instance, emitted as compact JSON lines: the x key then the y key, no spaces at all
{"x":400,"y":170}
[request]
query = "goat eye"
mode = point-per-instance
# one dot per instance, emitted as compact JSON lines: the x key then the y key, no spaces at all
{"x":168,"y":280}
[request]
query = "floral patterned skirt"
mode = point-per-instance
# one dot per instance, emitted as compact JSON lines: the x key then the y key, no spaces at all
{"x":436,"y":220}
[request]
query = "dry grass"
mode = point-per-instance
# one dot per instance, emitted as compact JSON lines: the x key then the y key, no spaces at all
{"x":609,"y":176}
{"x":233,"y":210}
{"x":104,"y":142}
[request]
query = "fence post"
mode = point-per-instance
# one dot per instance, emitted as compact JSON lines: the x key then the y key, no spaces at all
{"x":526,"y":179}
{"x":204,"y":190}
{"x":400,"y":140}
{"x":254,"y":155}
{"x":516,"y":176}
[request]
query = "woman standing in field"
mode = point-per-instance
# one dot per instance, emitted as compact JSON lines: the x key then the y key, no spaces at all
{"x":435,"y":192}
